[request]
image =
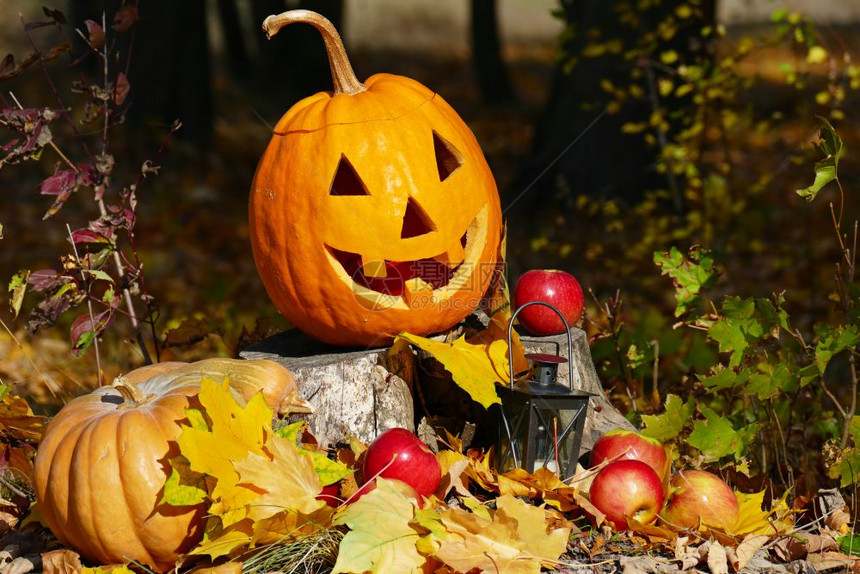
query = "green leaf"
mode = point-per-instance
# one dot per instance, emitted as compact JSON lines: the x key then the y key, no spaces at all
{"x":715,"y":437}
{"x":196,"y":419}
{"x":291,"y":431}
{"x":744,"y":322}
{"x":17,"y":288}
{"x":847,"y":467}
{"x":723,"y":379}
{"x":329,"y":471}
{"x":690,"y":275}
{"x":99,"y":275}
{"x":772,"y":380}
{"x":829,"y":145}
{"x":672,"y":422}
{"x":833,"y":341}
{"x":181,"y":487}
{"x":850,"y":544}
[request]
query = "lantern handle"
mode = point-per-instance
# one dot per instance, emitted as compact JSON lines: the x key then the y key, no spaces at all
{"x":511,"y":347}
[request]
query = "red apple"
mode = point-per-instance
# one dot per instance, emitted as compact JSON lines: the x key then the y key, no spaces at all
{"x":558,"y":288}
{"x":330,"y":495}
{"x":627,"y":489}
{"x":399,"y":454}
{"x":699,"y":495}
{"x":620,"y":444}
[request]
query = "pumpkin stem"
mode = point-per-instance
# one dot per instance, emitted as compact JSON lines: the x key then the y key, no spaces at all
{"x":129,"y":391}
{"x":343,"y":78}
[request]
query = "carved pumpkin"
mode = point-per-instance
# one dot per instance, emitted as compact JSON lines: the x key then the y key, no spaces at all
{"x":103,"y":460}
{"x":373,"y":210}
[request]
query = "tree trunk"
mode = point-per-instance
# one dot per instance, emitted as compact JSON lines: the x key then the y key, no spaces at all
{"x":490,"y":69}
{"x":579,"y":142}
{"x":234,"y":40}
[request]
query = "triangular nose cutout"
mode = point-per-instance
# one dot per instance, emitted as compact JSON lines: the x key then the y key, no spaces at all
{"x":448,"y":158}
{"x":346,"y":180}
{"x":415,"y":221}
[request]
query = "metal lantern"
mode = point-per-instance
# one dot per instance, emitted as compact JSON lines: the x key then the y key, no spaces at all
{"x":541,"y":421}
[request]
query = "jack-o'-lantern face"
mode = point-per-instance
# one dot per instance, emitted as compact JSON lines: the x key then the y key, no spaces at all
{"x":374,"y":212}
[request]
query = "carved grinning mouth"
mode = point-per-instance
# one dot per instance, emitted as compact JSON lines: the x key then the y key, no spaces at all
{"x":389,"y":284}
{"x":391,"y":279}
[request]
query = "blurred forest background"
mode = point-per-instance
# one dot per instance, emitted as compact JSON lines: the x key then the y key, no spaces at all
{"x":614,"y":130}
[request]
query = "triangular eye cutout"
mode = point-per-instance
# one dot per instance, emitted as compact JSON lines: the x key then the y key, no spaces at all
{"x":346,"y":180}
{"x":415,"y":221}
{"x":448,"y":158}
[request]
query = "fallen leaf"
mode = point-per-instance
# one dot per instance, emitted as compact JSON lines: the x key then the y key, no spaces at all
{"x":474,"y":368}
{"x":380,"y":538}
{"x":287,"y":484}
{"x":830,"y":560}
{"x":235,"y":431}
{"x":62,"y":561}
{"x":515,"y":540}
{"x":745,"y":551}
{"x":717,"y":560}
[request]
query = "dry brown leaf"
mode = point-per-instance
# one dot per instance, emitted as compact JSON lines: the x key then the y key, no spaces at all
{"x":803,"y":544}
{"x":652,"y":532}
{"x":830,"y":560}
{"x":745,"y":551}
{"x":839,"y":520}
{"x":514,"y":539}
{"x":62,"y":561}
{"x":453,"y":472}
{"x":718,"y":562}
{"x":21,"y":565}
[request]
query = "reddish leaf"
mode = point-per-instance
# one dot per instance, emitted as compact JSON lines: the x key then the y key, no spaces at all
{"x":62,"y":183}
{"x":121,"y":89}
{"x":124,"y":18}
{"x":85,"y":236}
{"x":44,"y":279}
{"x":96,"y":34}
{"x":86,"y":328}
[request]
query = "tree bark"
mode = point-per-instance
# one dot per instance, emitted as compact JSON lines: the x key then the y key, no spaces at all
{"x":491,"y":72}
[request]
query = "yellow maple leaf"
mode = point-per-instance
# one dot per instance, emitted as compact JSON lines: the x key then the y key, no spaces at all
{"x":475,"y":368}
{"x":516,"y":540}
{"x":380,"y":537}
{"x":234,"y":432}
{"x":752,"y":519}
{"x":287,"y":483}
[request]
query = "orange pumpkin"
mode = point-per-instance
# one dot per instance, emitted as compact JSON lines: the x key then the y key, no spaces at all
{"x":103,"y":460}
{"x":373,"y":210}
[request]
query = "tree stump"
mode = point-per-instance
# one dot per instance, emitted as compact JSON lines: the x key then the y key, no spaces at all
{"x":364,"y":392}
{"x":349,"y":389}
